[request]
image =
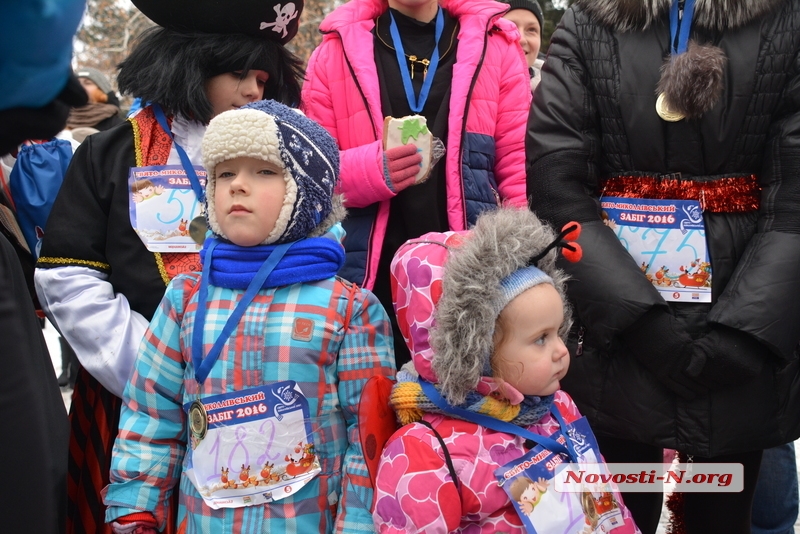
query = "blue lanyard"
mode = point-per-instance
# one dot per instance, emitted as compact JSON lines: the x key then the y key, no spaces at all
{"x":501,"y":426}
{"x":203,"y":366}
{"x":684,"y":25}
{"x":416,"y":104}
{"x":185,"y":161}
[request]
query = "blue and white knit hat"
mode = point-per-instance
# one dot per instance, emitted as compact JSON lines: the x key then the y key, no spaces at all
{"x":281,"y":135}
{"x":517,"y":283}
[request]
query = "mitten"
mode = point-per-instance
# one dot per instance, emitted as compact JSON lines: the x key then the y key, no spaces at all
{"x":726,"y":357}
{"x":138,"y":523}
{"x":664,"y":349}
{"x":400,"y":166}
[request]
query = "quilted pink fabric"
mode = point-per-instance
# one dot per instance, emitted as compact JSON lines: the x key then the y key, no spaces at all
{"x":416,"y":283}
{"x":415,"y":492}
{"x":414,"y":489}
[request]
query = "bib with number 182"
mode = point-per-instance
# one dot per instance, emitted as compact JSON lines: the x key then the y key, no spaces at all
{"x":257,"y":449}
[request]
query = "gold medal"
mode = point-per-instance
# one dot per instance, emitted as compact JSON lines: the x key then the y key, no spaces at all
{"x":198,"y":420}
{"x":197,"y":229}
{"x":662,"y":108}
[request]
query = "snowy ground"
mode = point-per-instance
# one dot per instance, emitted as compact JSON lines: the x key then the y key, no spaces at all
{"x":51,"y":336}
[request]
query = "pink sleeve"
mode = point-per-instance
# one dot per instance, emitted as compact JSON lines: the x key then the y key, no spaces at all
{"x":512,"y":119}
{"x":362,"y":181}
{"x":412,"y":488}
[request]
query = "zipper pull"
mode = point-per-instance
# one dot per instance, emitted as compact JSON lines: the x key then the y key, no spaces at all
{"x":581,"y":332}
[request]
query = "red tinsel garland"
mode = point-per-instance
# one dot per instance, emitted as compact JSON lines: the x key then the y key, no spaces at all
{"x":677,"y":523}
{"x":736,"y":194}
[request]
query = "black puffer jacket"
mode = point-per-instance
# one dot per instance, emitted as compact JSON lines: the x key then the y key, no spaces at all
{"x":594,"y":116}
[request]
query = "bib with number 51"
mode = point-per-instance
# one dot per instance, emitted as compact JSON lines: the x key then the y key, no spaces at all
{"x":162,"y":204}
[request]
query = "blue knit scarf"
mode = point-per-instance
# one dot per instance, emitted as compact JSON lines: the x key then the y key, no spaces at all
{"x":308,"y":260}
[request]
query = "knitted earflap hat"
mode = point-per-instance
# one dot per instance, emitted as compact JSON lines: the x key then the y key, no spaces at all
{"x":449,"y":289}
{"x":275,"y":20}
{"x":309,"y":156}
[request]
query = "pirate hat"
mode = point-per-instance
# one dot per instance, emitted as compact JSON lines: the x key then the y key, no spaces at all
{"x":276,"y":20}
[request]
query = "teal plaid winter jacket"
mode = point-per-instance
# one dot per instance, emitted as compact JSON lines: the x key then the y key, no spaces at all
{"x":331,"y":369}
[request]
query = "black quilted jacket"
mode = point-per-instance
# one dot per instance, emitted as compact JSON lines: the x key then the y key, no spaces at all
{"x":593,"y":116}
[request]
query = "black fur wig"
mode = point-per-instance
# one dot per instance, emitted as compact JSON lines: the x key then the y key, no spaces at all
{"x":171,"y":67}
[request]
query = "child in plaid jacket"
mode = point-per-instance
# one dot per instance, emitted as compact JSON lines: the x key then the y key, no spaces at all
{"x":246,"y":391}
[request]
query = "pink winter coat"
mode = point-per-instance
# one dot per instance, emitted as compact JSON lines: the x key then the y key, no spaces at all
{"x":414,"y":491}
{"x":490,"y":93}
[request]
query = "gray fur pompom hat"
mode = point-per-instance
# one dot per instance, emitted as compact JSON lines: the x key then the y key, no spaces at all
{"x":281,"y":135}
{"x":450,"y":287}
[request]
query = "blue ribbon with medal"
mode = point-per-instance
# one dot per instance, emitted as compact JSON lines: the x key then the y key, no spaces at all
{"x":680,"y":26}
{"x":197,"y":227}
{"x":417,"y":103}
{"x":198,"y":420}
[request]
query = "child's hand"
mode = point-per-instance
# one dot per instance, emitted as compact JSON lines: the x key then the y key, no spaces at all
{"x":159,"y":189}
{"x":138,"y":523}
{"x":137,"y":197}
{"x":541,"y":484}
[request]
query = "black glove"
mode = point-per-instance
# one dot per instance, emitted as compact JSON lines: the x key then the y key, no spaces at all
{"x":664,"y":349}
{"x":20,"y":124}
{"x":726,"y":357}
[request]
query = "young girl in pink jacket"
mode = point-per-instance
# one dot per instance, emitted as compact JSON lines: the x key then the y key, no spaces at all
{"x":458,"y":64}
{"x":483,"y":315}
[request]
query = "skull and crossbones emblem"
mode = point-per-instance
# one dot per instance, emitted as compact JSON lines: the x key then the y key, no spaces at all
{"x":285,"y":15}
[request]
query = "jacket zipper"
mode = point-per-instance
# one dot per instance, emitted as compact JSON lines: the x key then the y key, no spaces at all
{"x":366,"y":107}
{"x":460,"y":162}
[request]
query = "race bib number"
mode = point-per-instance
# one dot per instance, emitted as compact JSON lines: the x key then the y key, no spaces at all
{"x":257,"y":447}
{"x":529,"y":482}
{"x":667,"y":239}
{"x":162,"y":203}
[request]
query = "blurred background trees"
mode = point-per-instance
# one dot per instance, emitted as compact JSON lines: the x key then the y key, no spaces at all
{"x":110,"y":28}
{"x":552,"y":10}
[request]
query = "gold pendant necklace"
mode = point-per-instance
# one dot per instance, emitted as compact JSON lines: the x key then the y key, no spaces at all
{"x":425,"y":63}
{"x":664,"y":111}
{"x":415,"y":59}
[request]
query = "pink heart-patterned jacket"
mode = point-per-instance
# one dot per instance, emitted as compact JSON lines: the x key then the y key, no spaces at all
{"x":414,"y":490}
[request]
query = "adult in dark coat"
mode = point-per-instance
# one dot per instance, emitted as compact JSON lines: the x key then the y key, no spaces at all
{"x":34,"y":449}
{"x":36,"y":93}
{"x":717,"y":380}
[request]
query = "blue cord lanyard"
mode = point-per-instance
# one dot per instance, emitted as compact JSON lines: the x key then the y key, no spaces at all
{"x":416,"y":104}
{"x":185,"y":161}
{"x":501,"y":426}
{"x":203,"y":366}
{"x":680,"y":26}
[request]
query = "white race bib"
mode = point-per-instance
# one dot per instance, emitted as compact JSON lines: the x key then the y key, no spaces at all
{"x":162,"y":203}
{"x":257,"y":448}
{"x":667,"y":238}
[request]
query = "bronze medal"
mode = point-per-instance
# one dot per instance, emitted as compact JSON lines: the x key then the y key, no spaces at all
{"x":198,"y":420}
{"x":197,"y":229}
{"x":663,"y":110}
